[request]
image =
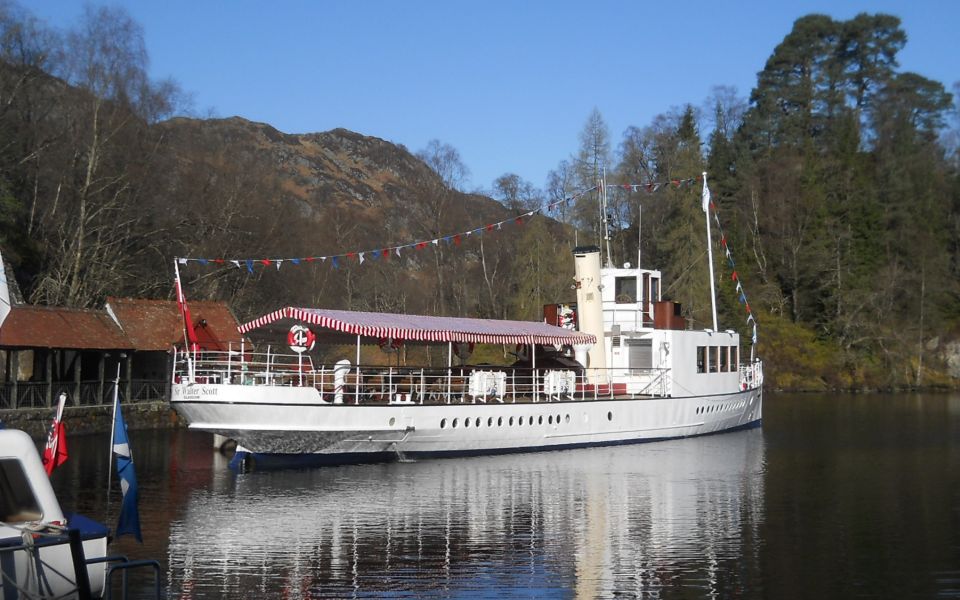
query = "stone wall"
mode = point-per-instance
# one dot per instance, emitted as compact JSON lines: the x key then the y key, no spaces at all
{"x":93,"y":419}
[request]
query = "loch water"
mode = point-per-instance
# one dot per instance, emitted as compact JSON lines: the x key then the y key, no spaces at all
{"x":836,"y":496}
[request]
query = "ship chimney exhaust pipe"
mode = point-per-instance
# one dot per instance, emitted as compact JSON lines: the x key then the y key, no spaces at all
{"x":586,"y":262}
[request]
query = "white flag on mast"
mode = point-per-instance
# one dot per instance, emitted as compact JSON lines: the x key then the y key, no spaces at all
{"x":706,"y":194}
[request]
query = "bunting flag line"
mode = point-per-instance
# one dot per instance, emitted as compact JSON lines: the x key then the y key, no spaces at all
{"x":734,"y":276}
{"x":449,"y":239}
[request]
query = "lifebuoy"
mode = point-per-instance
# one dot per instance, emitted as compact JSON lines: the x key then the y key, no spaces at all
{"x":389,"y":344}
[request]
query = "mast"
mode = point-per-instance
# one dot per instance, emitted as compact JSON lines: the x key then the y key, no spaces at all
{"x":706,"y":211}
{"x":603,"y":216}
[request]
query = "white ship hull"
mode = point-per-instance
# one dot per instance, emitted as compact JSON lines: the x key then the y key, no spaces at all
{"x":283,"y":420}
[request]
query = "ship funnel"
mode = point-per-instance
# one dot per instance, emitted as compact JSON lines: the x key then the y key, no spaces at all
{"x":586,"y":262}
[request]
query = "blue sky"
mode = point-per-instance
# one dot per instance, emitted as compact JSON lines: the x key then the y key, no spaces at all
{"x":509,"y":84}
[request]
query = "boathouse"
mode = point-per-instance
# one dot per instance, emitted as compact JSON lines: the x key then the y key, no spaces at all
{"x":46,"y":350}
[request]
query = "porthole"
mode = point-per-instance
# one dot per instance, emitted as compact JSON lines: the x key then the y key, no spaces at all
{"x":566,"y":418}
{"x":520,"y":421}
{"x":539,"y":421}
{"x":499,"y":421}
{"x":550,"y":420}
{"x":393,"y":421}
{"x":609,"y":416}
{"x":443,"y":423}
{"x":466,"y":422}
{"x":558,"y":419}
{"x":454,"y":425}
{"x":511,"y":421}
{"x":490,"y":422}
{"x":477,"y":422}
{"x":530,"y":421}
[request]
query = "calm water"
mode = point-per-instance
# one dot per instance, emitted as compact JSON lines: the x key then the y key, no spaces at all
{"x":835,"y":497}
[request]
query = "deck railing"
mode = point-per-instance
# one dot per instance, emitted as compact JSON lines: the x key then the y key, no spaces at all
{"x":346,"y":383}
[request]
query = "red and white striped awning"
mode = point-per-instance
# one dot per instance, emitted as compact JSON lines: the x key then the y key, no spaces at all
{"x":426,"y":329}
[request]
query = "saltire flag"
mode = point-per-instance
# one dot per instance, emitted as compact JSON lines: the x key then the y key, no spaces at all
{"x":129,"y":521}
{"x":55,"y":452}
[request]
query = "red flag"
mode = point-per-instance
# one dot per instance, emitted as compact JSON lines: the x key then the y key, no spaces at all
{"x":55,"y":452}
{"x":185,"y":314}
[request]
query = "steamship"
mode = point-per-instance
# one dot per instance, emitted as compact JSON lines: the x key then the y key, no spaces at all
{"x":618,"y":367}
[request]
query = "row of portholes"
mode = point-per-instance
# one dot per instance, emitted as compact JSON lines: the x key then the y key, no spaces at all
{"x":477,"y":422}
{"x":701,"y":410}
{"x":499,"y":422}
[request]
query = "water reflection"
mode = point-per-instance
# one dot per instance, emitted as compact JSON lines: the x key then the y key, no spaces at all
{"x":633,"y":520}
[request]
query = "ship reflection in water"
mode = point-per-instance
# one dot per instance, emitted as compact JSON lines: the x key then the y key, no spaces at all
{"x":631,"y":520}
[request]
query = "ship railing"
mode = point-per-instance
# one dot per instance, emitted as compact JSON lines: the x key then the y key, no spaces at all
{"x":343,"y":382}
{"x":751,"y":375}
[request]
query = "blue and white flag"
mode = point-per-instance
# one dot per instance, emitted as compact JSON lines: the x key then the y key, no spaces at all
{"x":129,"y":521}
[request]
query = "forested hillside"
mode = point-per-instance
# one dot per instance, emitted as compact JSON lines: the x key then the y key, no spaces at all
{"x":836,"y":181}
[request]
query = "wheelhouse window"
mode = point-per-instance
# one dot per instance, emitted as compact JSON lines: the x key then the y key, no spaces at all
{"x":724,"y":359}
{"x":625,"y":290}
{"x":701,"y":359}
{"x":714,"y":354}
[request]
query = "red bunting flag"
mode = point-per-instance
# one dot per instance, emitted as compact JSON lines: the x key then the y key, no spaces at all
{"x":733,"y":276}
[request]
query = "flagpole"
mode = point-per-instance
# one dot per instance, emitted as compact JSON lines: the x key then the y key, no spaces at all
{"x":706,"y":212}
{"x":113,"y":426}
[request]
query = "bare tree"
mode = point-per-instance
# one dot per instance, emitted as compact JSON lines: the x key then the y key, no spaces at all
{"x":517,"y":194}
{"x":445,"y":161}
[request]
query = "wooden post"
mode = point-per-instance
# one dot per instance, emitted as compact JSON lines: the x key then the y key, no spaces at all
{"x":49,"y":373}
{"x":101,"y":372}
{"x":76,"y":379}
{"x":129,"y":368}
{"x":15,"y":372}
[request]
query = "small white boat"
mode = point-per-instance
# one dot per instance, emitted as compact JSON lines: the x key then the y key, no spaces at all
{"x":44,"y":553}
{"x":631,"y":372}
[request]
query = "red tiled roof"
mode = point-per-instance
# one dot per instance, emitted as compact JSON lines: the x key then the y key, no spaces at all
{"x":156,"y":324}
{"x":56,"y":327}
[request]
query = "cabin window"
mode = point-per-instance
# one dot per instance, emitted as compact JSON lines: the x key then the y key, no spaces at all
{"x":625,"y":290}
{"x":735,"y":357}
{"x":17,"y":502}
{"x":701,"y":359}
{"x":654,"y":290}
{"x":725,"y":359}
{"x":714,"y":356}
